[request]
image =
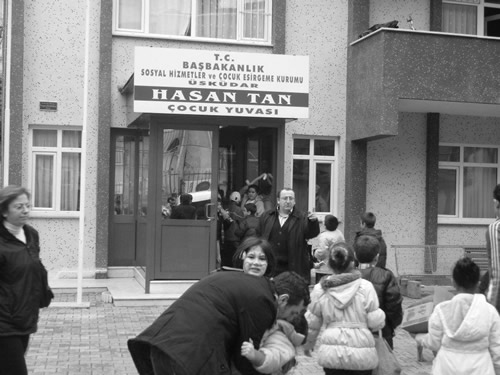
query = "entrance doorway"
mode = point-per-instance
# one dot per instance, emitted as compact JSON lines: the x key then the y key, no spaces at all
{"x":173,"y":228}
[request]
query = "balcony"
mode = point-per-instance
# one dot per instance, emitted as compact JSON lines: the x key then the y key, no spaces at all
{"x":394,"y":70}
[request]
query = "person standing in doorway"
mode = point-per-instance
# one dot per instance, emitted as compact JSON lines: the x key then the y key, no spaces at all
{"x":20,"y":279}
{"x":288,"y":229}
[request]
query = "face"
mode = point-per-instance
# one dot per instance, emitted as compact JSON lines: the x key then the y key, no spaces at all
{"x":255,"y":262}
{"x":289,"y":312}
{"x":287,"y":200}
{"x":18,"y":211}
{"x":252,"y":193}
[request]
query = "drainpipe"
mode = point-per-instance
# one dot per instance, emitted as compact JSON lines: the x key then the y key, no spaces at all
{"x":6,"y":86}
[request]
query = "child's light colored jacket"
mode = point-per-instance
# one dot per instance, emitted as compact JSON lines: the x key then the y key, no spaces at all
{"x":278,"y":344}
{"x":466,"y":331}
{"x":348,"y":307}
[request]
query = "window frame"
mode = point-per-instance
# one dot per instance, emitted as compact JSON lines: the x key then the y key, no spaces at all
{"x":144,"y":31}
{"x":459,"y":167}
{"x":57,"y":153}
{"x":480,"y":13}
{"x":314,"y":160}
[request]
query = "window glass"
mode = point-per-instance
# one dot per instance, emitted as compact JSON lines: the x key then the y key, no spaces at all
{"x":449,"y":153}
{"x":72,"y":138}
{"x":44,"y":138}
{"x":324,"y":147}
{"x":170,"y":17}
{"x":323,"y":184}
{"x":459,"y":19}
{"x":477,"y":186}
{"x":447,"y":191}
{"x":130,"y":14}
{"x":301,"y":146}
{"x":254,"y":19}
{"x":44,"y":181}
{"x":70,"y":182}
{"x":301,"y":184}
{"x":480,"y":155}
{"x":216,"y":19}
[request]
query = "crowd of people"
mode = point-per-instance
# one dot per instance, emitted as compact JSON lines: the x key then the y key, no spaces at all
{"x":251,"y":314}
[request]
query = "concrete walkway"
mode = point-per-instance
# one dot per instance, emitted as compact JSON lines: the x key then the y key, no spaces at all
{"x":93,"y":340}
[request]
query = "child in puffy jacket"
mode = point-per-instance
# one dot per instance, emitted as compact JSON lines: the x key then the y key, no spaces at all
{"x":276,"y":355}
{"x":465,"y":331}
{"x":348,"y":307}
{"x":366,"y":249}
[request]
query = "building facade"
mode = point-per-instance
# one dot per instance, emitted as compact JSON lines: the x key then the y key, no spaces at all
{"x":402,"y":122}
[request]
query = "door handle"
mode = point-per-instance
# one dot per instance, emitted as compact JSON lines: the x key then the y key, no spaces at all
{"x":207,"y":211}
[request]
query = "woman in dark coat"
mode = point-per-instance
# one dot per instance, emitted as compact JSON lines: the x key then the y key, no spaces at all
{"x":20,"y":279}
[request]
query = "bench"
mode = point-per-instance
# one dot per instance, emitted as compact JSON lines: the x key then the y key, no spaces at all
{"x":479,"y":255}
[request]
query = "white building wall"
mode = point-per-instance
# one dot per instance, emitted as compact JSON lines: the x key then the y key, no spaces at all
{"x":318,"y":28}
{"x":395,"y":193}
{"x":54,"y":71}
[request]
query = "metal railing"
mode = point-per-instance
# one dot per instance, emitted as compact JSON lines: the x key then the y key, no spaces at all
{"x":426,"y":260}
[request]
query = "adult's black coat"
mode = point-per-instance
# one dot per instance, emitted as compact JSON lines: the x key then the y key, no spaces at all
{"x":20,"y":282}
{"x":300,"y":229}
{"x":203,"y":330}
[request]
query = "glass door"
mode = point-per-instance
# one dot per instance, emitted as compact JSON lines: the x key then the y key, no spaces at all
{"x":187,"y":192}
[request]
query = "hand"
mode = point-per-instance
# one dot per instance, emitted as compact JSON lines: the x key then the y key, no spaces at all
{"x":312,"y":217}
{"x":248,"y":350}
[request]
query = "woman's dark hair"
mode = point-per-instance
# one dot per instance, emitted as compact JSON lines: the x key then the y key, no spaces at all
{"x":9,"y":194}
{"x":255,"y":187}
{"x":341,"y":257}
{"x":246,"y":245}
{"x":466,"y":273}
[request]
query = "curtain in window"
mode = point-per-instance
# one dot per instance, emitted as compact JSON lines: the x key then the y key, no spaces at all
{"x":171,"y":17}
{"x":459,"y":19}
{"x":70,"y":181}
{"x":130,"y":15}
{"x":44,"y":180}
{"x":254,"y":19}
{"x":216,"y":18}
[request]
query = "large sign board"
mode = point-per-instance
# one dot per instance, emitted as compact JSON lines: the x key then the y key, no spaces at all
{"x":200,"y":82}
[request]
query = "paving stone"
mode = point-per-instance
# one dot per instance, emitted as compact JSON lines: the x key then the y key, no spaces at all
{"x":94,"y":341}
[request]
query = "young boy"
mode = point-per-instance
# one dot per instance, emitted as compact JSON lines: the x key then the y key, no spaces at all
{"x":368,"y":220}
{"x":367,"y":250}
{"x":249,"y":225}
{"x":464,"y":331}
{"x":277,"y":351}
{"x":326,"y":240}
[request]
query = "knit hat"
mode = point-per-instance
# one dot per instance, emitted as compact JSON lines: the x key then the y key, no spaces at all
{"x":235,"y":197}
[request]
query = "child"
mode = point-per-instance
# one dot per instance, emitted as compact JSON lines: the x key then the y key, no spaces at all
{"x":277,"y":350}
{"x":326,"y":239}
{"x":366,"y":250}
{"x":465,"y":330}
{"x":347,"y":306}
{"x":368,"y":220}
{"x":250,"y":225}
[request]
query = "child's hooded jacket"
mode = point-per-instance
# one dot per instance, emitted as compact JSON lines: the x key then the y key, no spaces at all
{"x":348,"y":307}
{"x":466,"y":331}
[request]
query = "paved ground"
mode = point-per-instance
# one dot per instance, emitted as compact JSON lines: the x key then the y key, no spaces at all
{"x":92,"y":341}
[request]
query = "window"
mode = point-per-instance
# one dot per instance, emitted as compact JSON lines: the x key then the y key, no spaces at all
{"x":236,"y":20}
{"x":466,"y":178}
{"x":55,"y":169}
{"x":314,"y":174}
{"x":474,"y":17}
